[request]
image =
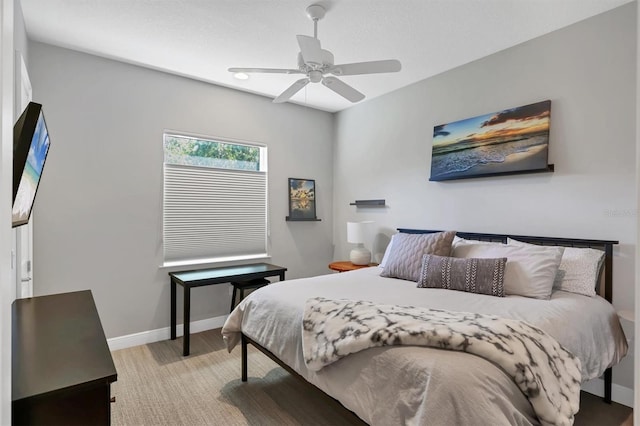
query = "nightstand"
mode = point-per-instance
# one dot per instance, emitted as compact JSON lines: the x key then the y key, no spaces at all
{"x":343,"y":266}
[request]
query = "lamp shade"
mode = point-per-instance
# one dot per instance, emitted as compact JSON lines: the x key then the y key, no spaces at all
{"x":355,"y":232}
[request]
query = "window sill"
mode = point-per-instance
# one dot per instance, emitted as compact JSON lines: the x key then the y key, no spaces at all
{"x":214,"y":262}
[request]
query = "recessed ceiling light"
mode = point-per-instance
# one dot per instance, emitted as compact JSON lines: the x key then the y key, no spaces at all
{"x":241,"y":75}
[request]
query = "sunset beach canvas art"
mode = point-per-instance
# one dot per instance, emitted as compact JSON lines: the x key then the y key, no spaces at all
{"x":510,"y":141}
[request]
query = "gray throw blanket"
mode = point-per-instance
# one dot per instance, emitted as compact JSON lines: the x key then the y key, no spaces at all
{"x":547,"y":374}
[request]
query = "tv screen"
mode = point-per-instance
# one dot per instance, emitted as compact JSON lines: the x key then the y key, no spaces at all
{"x":30,"y":148}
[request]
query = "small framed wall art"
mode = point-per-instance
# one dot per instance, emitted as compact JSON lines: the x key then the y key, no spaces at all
{"x":302,"y":200}
{"x":510,"y":141}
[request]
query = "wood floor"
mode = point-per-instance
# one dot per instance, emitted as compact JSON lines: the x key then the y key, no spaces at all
{"x":594,"y":411}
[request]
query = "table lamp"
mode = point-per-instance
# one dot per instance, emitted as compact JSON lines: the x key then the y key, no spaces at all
{"x":356,"y":234}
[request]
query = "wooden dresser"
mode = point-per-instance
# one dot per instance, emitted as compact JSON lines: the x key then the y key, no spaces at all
{"x":62,"y":368}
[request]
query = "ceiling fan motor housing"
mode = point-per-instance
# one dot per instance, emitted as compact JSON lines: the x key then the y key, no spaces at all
{"x":327,"y":62}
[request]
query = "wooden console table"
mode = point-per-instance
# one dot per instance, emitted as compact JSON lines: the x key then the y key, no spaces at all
{"x":202,"y":277}
{"x":61,"y":366}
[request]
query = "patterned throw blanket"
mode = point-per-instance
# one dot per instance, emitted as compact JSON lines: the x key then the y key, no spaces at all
{"x":547,"y":374}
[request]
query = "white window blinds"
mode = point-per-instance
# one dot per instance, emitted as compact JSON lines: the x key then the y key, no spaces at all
{"x":212,"y":213}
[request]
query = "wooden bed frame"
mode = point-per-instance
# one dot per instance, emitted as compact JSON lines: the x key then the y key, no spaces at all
{"x":605,"y":290}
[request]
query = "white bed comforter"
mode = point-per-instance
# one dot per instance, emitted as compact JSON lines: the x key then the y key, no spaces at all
{"x":417,"y":385}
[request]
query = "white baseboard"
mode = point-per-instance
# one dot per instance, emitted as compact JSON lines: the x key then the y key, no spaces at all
{"x":160,"y":334}
{"x":619,"y":394}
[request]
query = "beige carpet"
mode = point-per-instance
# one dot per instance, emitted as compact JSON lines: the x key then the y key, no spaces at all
{"x":158,"y":386}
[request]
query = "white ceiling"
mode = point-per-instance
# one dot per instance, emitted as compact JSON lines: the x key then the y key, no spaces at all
{"x":202,"y":38}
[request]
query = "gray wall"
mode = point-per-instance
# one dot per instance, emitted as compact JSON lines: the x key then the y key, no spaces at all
{"x":99,"y":206}
{"x":383,"y":149}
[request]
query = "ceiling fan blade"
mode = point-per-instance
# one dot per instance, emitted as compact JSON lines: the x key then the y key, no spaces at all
{"x":342,"y":89}
{"x":310,"y":49}
{"x":373,"y":67}
{"x":291,"y":90}
{"x":266,"y":70}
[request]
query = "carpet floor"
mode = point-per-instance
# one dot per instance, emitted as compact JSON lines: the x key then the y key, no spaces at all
{"x":158,"y":386}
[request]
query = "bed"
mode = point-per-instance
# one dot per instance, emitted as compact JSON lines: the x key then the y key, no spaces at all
{"x":403,"y":384}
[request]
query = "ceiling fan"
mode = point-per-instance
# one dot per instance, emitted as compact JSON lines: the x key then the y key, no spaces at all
{"x":316,"y":63}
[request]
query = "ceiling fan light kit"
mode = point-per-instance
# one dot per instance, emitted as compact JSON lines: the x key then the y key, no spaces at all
{"x":316,"y":63}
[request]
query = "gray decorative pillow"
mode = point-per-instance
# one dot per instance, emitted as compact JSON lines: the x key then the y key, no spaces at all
{"x":483,"y":276}
{"x":405,"y":256}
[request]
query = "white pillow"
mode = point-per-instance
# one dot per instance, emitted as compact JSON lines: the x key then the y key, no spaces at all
{"x":385,"y":258}
{"x":530,"y":269}
{"x":579,"y":269}
{"x":458,"y":240}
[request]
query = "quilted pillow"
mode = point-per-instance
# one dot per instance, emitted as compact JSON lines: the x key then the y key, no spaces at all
{"x":579,"y":270}
{"x":483,"y":276}
{"x":531,"y":269}
{"x":405,"y":256}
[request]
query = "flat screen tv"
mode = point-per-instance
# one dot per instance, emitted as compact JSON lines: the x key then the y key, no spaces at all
{"x":30,"y":148}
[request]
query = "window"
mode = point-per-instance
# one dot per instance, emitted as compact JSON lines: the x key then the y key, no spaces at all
{"x":215,"y":200}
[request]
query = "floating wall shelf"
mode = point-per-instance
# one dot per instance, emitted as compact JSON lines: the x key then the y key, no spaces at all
{"x":368,"y":203}
{"x":300,"y":219}
{"x":549,"y":169}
